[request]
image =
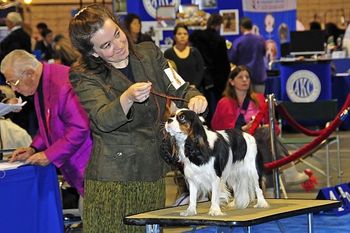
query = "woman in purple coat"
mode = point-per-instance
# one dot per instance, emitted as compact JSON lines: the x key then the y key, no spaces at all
{"x":63,"y":137}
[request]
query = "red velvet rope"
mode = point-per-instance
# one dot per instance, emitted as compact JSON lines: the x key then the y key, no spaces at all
{"x":285,"y":114}
{"x":308,"y":147}
{"x":258,"y":119}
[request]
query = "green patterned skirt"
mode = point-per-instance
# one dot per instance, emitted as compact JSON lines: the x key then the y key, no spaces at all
{"x":107,"y":203}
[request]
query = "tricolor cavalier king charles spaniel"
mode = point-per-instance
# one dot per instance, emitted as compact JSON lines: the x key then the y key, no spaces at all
{"x":211,"y":160}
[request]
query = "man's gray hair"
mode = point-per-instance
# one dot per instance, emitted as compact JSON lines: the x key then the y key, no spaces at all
{"x":19,"y":60}
{"x":15,"y":18}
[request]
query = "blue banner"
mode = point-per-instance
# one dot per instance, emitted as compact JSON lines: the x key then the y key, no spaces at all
{"x":272,"y":19}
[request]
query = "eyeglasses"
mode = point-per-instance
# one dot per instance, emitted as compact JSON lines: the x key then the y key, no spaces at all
{"x":14,"y":83}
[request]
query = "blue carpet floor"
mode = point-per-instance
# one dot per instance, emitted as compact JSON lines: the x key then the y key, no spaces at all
{"x":322,"y":224}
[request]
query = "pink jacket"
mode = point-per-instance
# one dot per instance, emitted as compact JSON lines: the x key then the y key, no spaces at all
{"x":67,"y":144}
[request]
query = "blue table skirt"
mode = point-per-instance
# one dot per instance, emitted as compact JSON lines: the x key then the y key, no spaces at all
{"x":340,"y":86}
{"x":30,"y":200}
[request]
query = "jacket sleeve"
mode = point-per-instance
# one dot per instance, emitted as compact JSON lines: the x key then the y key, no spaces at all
{"x":224,"y":116}
{"x":105,"y":114}
{"x":38,"y":142}
{"x":76,"y":128}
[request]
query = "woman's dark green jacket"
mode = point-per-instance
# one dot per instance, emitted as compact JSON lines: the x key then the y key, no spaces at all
{"x":126,"y":148}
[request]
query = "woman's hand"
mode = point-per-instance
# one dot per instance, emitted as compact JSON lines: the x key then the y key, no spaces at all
{"x":246,"y":127}
{"x":138,"y":92}
{"x":198,"y":104}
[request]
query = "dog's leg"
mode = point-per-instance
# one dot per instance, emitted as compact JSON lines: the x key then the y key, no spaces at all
{"x":191,"y":210}
{"x":261,"y":202}
{"x":215,"y":198}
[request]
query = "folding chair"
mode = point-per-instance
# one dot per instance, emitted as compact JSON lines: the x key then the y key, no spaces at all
{"x":314,"y":114}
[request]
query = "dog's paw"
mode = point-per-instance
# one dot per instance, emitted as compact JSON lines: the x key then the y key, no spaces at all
{"x":215,"y":212}
{"x":188,"y":212}
{"x":231,"y":204}
{"x":262,"y":204}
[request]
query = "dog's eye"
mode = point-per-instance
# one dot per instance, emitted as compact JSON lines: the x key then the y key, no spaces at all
{"x":181,"y":118}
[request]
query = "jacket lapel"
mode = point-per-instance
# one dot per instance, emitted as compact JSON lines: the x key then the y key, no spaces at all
{"x":46,"y":96}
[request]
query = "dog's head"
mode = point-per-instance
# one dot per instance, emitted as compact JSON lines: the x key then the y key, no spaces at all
{"x":183,"y":124}
{"x":187,"y":129}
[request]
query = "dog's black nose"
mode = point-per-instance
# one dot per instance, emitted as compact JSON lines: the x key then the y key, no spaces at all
{"x":169,"y":120}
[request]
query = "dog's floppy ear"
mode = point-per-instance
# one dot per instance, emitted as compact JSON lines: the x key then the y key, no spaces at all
{"x":196,"y":146}
{"x":170,"y":109}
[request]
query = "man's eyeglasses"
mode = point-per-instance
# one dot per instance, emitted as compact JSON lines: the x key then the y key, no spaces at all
{"x":13,"y":83}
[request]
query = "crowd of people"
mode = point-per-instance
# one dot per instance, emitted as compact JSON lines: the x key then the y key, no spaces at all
{"x":96,"y":102}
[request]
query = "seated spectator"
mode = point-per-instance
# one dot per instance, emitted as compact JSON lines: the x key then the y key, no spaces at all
{"x":238,"y":108}
{"x":132,"y":23}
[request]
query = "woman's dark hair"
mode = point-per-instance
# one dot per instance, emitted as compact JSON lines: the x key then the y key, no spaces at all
{"x":230,"y":90}
{"x":45,"y":32}
{"x":177,"y":27}
{"x":81,"y":29}
{"x":41,"y":26}
{"x":129,"y":18}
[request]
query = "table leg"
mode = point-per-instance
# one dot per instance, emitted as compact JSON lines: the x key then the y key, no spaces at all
{"x":310,"y":222}
{"x":249,"y":229}
{"x":154,"y":228}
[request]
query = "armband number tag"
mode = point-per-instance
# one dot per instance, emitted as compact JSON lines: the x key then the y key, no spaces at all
{"x":174,"y":78}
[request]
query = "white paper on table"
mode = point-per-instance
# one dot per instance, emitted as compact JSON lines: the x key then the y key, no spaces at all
{"x":7,"y":108}
{"x":4,"y":165}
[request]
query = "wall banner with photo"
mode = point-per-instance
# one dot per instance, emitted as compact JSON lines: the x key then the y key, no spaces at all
{"x":206,"y":4}
{"x":272,"y":19}
{"x":230,"y":25}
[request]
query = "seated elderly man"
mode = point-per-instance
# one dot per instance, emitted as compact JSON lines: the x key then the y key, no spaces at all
{"x":63,"y":137}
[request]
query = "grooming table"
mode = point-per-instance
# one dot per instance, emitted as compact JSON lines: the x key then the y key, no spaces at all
{"x":279,"y":208}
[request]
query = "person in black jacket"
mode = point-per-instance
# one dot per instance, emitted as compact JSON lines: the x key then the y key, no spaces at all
{"x":213,"y":49}
{"x":17,"y":39}
{"x":45,"y":45}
